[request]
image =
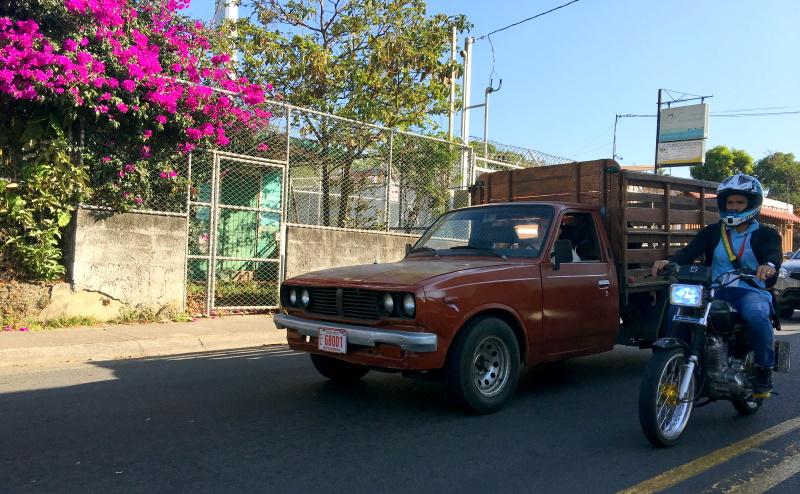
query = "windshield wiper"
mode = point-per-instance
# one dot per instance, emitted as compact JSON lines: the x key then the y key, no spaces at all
{"x":424,"y":248}
{"x":482,"y":249}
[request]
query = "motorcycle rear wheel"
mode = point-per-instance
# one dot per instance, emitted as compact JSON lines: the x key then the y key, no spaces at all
{"x":662,"y":416}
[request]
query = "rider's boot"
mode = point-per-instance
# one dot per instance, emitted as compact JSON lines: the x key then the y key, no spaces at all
{"x":762,"y":382}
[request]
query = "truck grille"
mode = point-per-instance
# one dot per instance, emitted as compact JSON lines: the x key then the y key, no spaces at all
{"x":347,"y":303}
{"x":795,"y":275}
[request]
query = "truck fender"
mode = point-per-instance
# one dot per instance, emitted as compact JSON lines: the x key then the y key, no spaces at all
{"x":503,"y":312}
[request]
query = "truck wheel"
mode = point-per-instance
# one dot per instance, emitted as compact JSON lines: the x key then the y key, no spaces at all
{"x":338,"y":370}
{"x":482,"y":367}
{"x":785,"y":312}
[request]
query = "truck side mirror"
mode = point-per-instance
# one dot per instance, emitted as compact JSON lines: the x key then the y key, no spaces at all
{"x":563,"y":252}
{"x":788,"y":255}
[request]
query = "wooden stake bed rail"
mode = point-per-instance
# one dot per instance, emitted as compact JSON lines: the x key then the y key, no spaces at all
{"x":647,"y":216}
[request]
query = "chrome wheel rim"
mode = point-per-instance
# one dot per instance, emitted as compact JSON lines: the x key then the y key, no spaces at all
{"x":490,"y":366}
{"x":672,"y":413}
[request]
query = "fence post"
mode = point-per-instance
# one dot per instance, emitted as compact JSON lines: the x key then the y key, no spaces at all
{"x":387,"y":208}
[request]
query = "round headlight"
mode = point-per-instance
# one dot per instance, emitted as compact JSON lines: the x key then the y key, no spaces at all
{"x":293,"y":296}
{"x":783,"y":273}
{"x":388,"y":304}
{"x":305,"y":298}
{"x":409,"y":305}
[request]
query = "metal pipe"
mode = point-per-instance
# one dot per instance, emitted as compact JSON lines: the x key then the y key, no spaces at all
{"x":487,"y":92}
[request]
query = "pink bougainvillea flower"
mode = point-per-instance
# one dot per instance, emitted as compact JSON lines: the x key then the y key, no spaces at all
{"x":23,"y":329}
{"x":161,"y":119}
{"x":147,"y":133}
{"x":262,"y":147}
{"x":163,"y":175}
{"x":139,"y":200}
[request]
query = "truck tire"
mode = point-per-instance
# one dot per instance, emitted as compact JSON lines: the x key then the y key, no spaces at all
{"x":338,"y":370}
{"x":482,"y":367}
{"x":785,"y":312}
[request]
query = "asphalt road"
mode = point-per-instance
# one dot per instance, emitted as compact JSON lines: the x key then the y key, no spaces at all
{"x":263,"y":420}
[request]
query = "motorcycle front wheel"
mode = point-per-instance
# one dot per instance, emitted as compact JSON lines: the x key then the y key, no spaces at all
{"x":662,"y":415}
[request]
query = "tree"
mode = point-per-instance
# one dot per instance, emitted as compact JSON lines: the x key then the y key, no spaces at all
{"x":721,"y":163}
{"x":779,"y":173}
{"x":97,"y":97}
{"x":377,"y":61}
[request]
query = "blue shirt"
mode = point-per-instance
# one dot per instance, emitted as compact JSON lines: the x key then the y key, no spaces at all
{"x":722,"y":263}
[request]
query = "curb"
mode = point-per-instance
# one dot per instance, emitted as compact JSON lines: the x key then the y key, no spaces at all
{"x":136,"y":348}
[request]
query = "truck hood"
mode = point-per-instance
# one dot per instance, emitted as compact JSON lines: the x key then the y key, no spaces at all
{"x":397,"y":273}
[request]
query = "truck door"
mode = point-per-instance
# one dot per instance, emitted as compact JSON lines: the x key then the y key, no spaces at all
{"x":580,"y":300}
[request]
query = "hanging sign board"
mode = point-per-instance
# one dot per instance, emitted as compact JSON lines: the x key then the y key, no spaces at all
{"x":681,"y":153}
{"x":683,"y":123}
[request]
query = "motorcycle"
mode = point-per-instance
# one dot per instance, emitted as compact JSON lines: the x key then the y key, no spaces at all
{"x":705,"y":358}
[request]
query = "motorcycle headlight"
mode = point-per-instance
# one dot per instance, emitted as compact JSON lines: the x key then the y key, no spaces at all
{"x":305,"y":298}
{"x":686,"y":295}
{"x":293,"y":297}
{"x":388,"y":304}
{"x":409,"y":305}
{"x":783,"y":273}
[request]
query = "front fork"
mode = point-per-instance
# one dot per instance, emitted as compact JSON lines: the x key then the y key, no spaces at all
{"x":698,"y":343}
{"x":686,"y":378}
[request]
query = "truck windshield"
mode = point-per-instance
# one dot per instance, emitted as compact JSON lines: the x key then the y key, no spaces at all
{"x":511,"y":230}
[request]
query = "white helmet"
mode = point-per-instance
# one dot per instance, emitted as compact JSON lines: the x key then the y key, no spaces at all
{"x":744,"y":185}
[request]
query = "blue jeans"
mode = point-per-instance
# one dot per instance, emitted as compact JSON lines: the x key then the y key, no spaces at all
{"x":755,"y":309}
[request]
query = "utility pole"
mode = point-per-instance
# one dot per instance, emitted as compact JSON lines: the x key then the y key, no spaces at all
{"x":467,"y":54}
{"x":451,"y":118}
{"x":658,"y":129}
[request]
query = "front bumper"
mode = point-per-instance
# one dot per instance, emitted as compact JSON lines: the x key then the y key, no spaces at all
{"x":362,"y":335}
{"x":787,"y":292}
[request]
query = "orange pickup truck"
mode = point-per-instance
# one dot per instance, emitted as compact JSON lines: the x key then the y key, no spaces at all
{"x":550,"y":263}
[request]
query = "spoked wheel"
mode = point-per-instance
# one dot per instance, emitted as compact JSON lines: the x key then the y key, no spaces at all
{"x":662,"y":415}
{"x":338,"y":370}
{"x":482,"y":367}
{"x":746,"y":404}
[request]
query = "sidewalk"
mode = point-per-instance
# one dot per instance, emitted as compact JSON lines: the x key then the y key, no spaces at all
{"x":118,"y":341}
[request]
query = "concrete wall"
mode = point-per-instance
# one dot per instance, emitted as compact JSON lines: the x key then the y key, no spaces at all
{"x":132,"y":257}
{"x":310,"y":249}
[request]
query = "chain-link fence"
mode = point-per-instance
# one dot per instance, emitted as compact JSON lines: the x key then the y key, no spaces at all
{"x":349,"y":174}
{"x":305,"y":168}
{"x":493,"y":156}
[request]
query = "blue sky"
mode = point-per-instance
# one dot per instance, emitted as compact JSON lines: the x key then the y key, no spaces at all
{"x":567,"y":74}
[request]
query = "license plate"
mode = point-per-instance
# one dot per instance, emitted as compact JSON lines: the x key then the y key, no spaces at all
{"x":332,"y":340}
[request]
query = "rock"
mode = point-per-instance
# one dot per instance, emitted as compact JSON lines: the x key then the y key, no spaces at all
{"x":66,"y":303}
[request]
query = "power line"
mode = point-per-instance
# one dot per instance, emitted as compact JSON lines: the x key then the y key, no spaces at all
{"x":529,"y":18}
{"x":717,"y":114}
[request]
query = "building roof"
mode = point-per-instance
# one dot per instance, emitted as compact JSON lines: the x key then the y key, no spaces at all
{"x":778,"y":214}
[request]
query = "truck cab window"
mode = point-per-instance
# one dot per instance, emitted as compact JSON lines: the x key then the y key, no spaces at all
{"x":579,"y":229}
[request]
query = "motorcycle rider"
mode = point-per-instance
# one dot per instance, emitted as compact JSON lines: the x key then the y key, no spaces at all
{"x":738,"y":240}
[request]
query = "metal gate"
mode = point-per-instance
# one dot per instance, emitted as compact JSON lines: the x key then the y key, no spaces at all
{"x":236,"y":231}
